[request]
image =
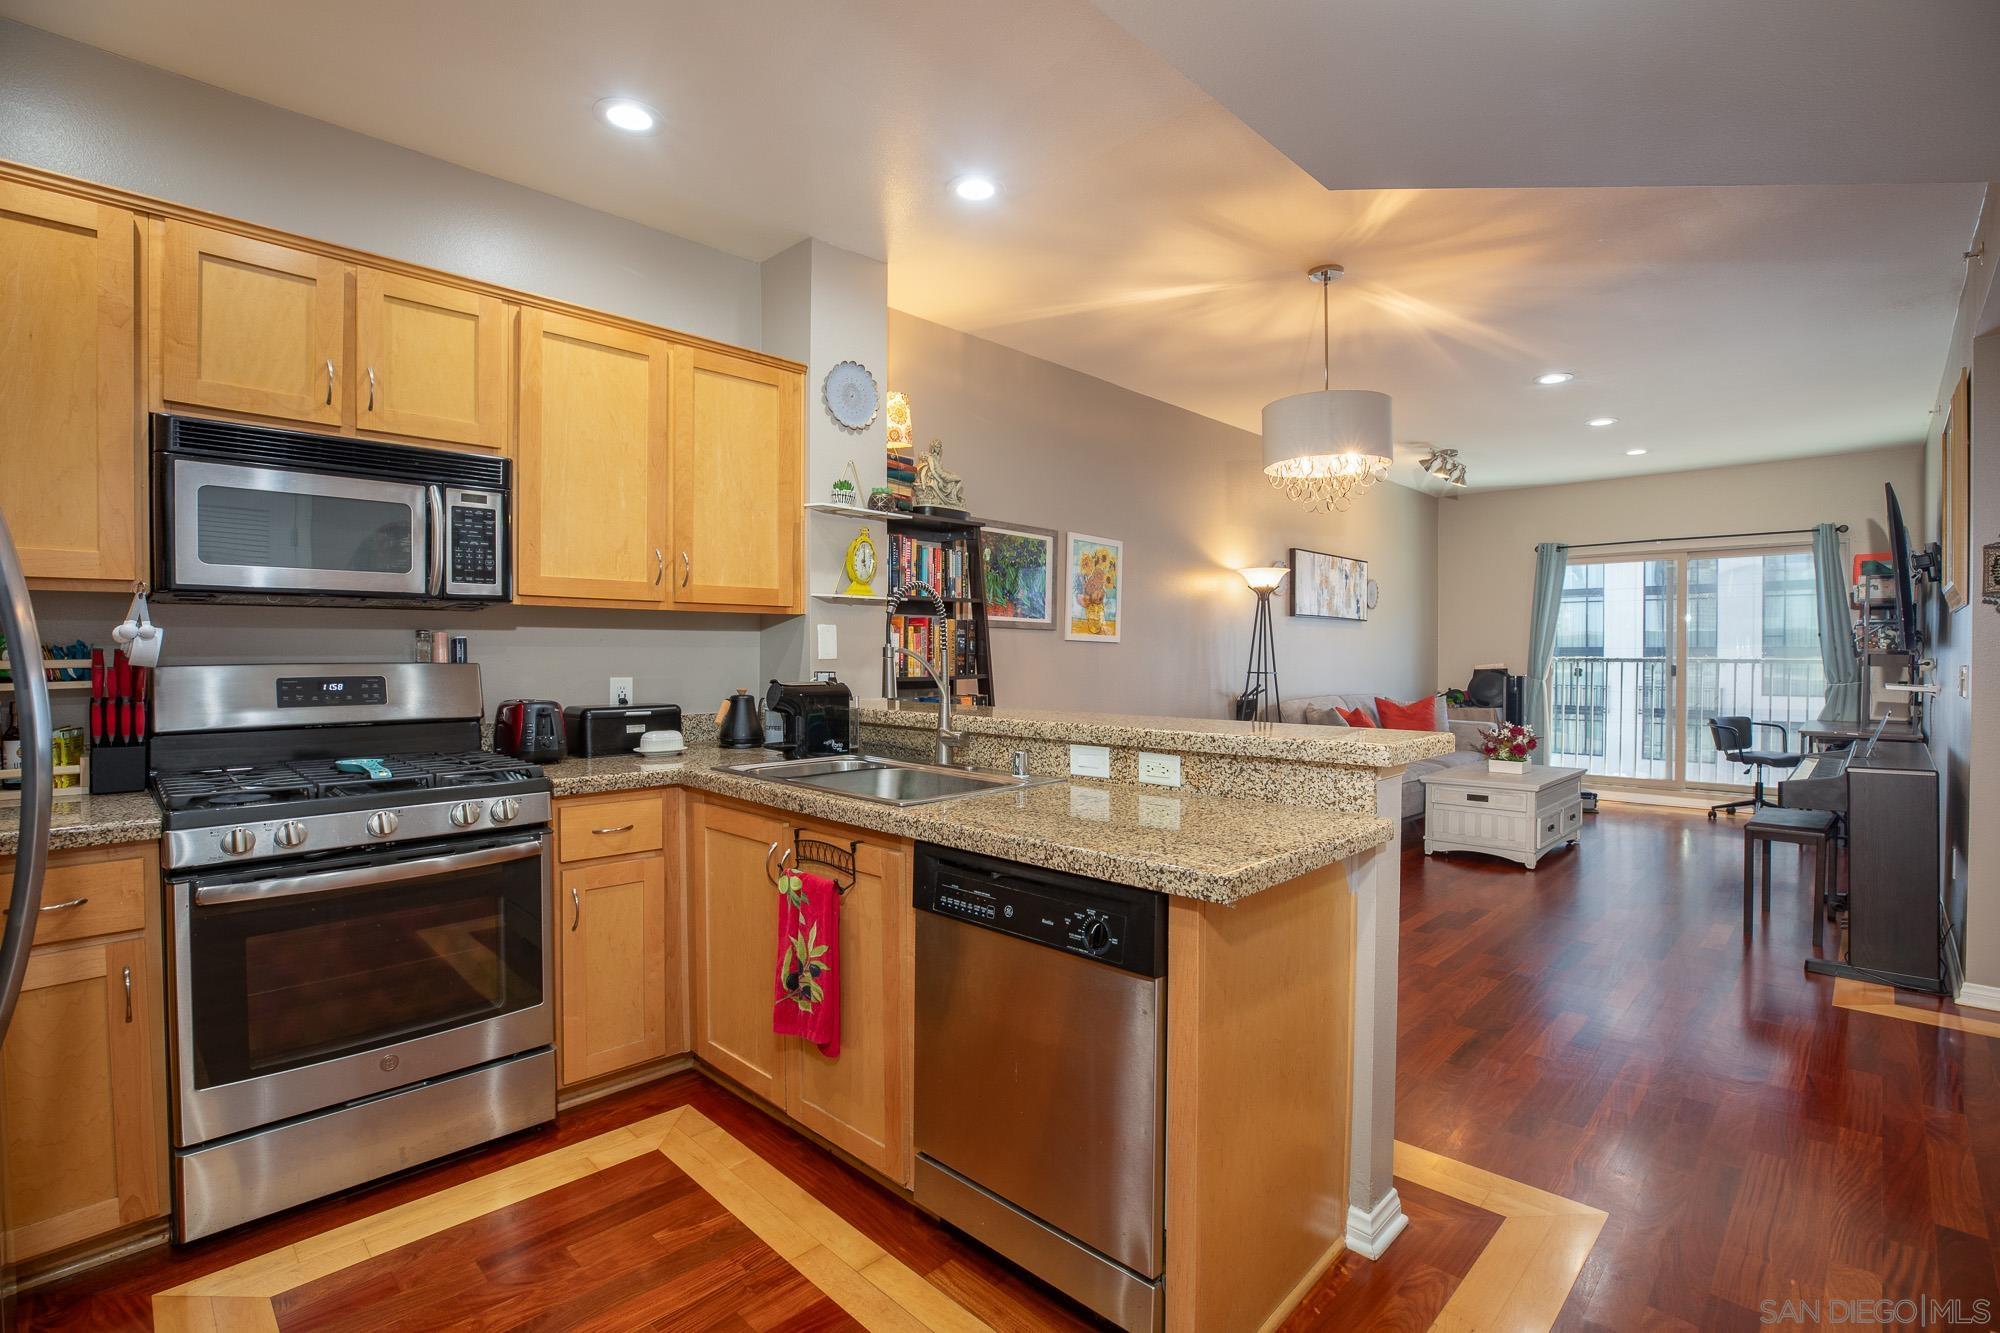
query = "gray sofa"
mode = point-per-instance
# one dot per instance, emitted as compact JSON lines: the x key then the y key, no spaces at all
{"x":1466,"y":725}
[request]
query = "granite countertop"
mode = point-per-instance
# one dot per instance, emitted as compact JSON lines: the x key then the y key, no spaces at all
{"x":90,"y":821}
{"x":1216,"y":848}
{"x":1368,"y":747}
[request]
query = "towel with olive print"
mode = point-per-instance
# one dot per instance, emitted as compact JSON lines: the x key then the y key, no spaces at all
{"x":807,"y":1003}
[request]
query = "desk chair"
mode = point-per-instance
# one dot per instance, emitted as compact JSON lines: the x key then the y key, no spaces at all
{"x":1732,"y":740}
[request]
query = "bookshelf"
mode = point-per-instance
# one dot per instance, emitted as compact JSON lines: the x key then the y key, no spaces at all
{"x":947,"y":550}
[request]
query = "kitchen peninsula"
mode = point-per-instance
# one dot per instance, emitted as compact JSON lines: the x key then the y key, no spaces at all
{"x":1279,"y":875}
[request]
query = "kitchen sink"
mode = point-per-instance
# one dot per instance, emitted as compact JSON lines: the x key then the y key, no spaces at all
{"x":888,"y":781}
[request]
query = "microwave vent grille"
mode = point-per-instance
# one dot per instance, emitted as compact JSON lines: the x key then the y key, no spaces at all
{"x":267,"y":446}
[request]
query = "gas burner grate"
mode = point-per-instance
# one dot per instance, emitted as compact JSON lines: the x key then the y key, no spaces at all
{"x":265,"y":784}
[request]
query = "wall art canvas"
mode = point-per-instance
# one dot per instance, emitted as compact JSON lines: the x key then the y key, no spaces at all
{"x":1956,"y":502}
{"x":1333,"y":586}
{"x":1096,"y":577}
{"x":1020,"y":564}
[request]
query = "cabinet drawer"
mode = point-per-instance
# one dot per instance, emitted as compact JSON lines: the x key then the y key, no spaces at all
{"x":101,"y":895}
{"x":610,"y":828}
{"x":1494,"y":799}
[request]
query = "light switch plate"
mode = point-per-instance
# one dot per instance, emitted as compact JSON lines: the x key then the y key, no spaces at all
{"x":1090,"y":761}
{"x":1965,"y":680}
{"x":621,"y":691}
{"x":1162,"y":770}
{"x":828,"y":641}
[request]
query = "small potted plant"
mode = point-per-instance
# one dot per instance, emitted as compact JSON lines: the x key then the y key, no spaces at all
{"x":1507,"y":746}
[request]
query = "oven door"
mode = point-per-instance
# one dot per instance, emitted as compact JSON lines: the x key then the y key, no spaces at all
{"x":298,"y":989}
{"x":278,"y":530}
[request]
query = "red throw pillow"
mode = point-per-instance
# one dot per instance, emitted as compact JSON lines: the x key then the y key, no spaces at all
{"x":1417,"y":715}
{"x":1354,"y":717}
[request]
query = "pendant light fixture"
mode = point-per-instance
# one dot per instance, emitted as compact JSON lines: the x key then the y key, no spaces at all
{"x":1322,"y":448}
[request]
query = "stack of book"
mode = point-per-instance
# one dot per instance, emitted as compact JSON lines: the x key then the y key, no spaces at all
{"x":943,"y":565}
{"x":949,"y":644}
{"x":903,"y":476}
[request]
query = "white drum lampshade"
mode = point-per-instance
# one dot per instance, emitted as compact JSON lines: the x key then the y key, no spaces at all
{"x":1320,"y":448}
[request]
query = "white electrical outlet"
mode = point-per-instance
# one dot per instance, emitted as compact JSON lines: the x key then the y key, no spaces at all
{"x":829,"y":642}
{"x":621,"y":691}
{"x":1090,"y":761}
{"x":1162,"y":770}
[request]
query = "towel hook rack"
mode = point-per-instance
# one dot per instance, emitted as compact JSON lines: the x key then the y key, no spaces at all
{"x":827,"y":855}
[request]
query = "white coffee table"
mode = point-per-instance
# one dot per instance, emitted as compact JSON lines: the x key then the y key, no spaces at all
{"x":1520,"y":815}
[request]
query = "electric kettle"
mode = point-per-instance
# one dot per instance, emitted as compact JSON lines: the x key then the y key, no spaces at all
{"x":737,"y":725}
{"x":530,"y":729}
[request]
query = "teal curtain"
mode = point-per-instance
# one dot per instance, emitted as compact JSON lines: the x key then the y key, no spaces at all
{"x":1837,"y":653}
{"x":1551,"y":560}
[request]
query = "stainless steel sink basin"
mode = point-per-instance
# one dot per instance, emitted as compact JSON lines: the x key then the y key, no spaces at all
{"x":888,"y":781}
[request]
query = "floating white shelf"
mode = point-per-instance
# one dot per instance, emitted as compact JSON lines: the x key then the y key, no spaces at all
{"x":850,"y":599}
{"x":849,"y":511}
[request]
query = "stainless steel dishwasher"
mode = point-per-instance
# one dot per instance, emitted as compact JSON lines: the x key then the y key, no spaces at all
{"x":1041,"y":1074}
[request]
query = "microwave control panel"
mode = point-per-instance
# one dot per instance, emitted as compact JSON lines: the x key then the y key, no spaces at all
{"x":474,"y":562}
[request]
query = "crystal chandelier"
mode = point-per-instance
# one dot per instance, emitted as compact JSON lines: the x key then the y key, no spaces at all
{"x":1322,"y":448}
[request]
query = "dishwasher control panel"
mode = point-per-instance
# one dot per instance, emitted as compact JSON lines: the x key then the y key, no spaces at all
{"x":1122,"y":927}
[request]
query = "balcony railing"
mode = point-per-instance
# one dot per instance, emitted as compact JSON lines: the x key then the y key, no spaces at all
{"x":1615,"y":715}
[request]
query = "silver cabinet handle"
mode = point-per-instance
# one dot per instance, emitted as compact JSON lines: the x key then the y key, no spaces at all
{"x":64,"y":907}
{"x":371,"y":388}
{"x":659,"y":567}
{"x":329,"y":381}
{"x":128,"y":994}
{"x":783,"y":857}
{"x":621,"y":828}
{"x":687,"y":568}
{"x":770,"y":852}
{"x":576,"y":908}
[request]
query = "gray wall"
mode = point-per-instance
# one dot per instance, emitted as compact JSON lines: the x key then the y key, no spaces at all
{"x":1486,"y":540}
{"x":1048,"y":447}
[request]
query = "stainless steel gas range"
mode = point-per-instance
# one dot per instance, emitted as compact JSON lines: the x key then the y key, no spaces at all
{"x":358,"y":954}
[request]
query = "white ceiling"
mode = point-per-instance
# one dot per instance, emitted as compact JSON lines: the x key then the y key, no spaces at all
{"x":1144,"y":234}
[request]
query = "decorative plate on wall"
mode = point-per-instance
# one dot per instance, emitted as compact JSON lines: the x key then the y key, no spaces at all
{"x":851,"y":395}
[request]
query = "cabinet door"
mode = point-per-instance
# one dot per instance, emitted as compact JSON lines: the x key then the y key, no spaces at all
{"x":860,"y":1101}
{"x":591,"y":477}
{"x":614,"y":965}
{"x":738,"y":507}
{"x":83,"y":1151}
{"x":248,"y":326}
{"x":432,"y":360}
{"x":735,"y":922}
{"x":67,"y":392}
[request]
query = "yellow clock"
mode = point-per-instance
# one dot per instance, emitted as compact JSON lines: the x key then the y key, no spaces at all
{"x":861,"y":565}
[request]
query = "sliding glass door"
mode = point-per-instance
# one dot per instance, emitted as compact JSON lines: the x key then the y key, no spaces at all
{"x":1648,"y":650}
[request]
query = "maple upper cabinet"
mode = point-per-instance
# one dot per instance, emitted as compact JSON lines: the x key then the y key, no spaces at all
{"x":734,"y":920}
{"x":590,"y":477}
{"x":739,"y":443}
{"x":74,"y":460}
{"x":249,"y":326}
{"x":431,"y":360}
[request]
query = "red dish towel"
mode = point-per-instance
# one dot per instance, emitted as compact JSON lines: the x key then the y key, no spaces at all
{"x":806,"y":1002}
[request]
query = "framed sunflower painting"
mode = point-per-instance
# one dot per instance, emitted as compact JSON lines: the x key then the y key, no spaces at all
{"x":1091,"y":592}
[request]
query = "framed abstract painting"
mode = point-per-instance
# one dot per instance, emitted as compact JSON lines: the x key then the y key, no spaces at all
{"x":1020,"y":565}
{"x":1333,"y":586}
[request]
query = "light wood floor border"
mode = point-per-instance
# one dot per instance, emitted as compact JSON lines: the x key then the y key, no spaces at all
{"x":1868,"y":997}
{"x":871,"y":1285}
{"x":1523,"y":1276}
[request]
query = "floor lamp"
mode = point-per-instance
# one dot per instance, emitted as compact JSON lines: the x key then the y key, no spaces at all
{"x":1259,"y":700}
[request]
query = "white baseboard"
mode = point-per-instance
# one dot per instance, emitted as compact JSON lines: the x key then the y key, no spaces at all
{"x":1370,"y":1230}
{"x":1975,"y":996}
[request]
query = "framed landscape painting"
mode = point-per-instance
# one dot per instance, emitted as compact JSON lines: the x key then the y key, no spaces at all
{"x":1333,"y":586}
{"x":1020,"y":565}
{"x":1090,"y":593}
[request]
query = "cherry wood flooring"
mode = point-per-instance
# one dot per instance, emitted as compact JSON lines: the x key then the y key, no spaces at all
{"x":1598,"y":1029}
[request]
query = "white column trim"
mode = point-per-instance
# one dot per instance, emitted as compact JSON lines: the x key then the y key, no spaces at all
{"x":1375,"y":1213}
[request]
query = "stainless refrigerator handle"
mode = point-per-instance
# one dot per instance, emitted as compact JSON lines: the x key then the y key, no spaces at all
{"x":212,"y":894}
{"x":31,"y":709}
{"x":434,"y":505}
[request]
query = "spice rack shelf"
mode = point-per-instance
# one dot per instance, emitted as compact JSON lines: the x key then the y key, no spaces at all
{"x":80,"y":771}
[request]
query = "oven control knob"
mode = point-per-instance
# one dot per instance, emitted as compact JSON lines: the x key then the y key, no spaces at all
{"x":504,"y":809}
{"x":382,"y":823}
{"x":1097,"y":936}
{"x":466,"y":813}
{"x":239,"y":841}
{"x":290,"y":833}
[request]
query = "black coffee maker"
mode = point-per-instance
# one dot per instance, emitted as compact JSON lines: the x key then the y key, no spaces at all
{"x":819,"y":717}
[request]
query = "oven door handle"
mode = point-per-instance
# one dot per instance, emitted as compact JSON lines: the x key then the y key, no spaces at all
{"x":214,"y":894}
{"x":434,"y":505}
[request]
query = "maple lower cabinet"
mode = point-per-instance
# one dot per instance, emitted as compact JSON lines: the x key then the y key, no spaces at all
{"x":432,"y":361}
{"x":859,"y":1101}
{"x":73,"y":462}
{"x":737,"y":500}
{"x":619,"y":937}
{"x":590,"y":477}
{"x":252,"y":326}
{"x":82,"y":1090}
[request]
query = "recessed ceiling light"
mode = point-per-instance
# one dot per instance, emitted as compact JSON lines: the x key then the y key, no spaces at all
{"x":622,"y":113}
{"x":1602,"y":421}
{"x":1555,"y":377}
{"x":974,"y":189}
{"x":1634,"y":453}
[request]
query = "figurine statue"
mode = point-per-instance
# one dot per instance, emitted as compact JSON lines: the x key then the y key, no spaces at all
{"x":938,"y":491}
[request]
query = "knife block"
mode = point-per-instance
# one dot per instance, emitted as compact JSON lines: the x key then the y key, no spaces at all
{"x":118,"y":768}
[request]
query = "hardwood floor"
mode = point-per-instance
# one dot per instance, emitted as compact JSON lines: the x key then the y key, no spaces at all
{"x":1598,"y":1030}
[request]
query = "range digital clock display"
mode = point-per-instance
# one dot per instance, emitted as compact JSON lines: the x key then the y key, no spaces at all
{"x":325,"y":691}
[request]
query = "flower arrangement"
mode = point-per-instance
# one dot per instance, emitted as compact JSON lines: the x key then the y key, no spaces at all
{"x":1096,"y":580}
{"x":1508,"y":743}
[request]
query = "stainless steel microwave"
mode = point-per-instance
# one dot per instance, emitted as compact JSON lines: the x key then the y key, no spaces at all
{"x":255,"y":514}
